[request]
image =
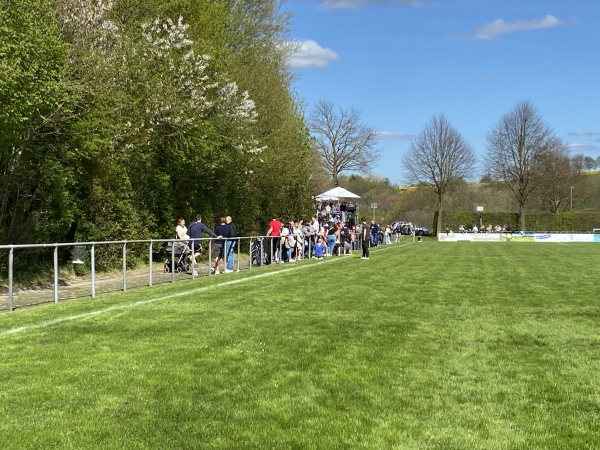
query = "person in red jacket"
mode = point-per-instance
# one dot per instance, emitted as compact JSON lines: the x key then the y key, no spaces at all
{"x":274,"y":231}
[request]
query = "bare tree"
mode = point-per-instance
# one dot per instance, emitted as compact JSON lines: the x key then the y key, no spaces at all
{"x":560,"y":175}
{"x":515,"y":149}
{"x":343,"y":143}
{"x":438,"y":158}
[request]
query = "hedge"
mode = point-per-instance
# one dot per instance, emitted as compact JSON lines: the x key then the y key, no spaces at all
{"x":571,"y":221}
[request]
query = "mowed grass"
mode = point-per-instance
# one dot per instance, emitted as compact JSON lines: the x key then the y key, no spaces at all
{"x":425,"y":346}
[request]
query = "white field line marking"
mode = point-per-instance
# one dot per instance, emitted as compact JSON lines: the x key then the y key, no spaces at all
{"x":50,"y":323}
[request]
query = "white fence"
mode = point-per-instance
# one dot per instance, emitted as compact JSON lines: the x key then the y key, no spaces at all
{"x":518,"y":236}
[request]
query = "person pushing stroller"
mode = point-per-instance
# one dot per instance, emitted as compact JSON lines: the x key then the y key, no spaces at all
{"x":179,"y":248}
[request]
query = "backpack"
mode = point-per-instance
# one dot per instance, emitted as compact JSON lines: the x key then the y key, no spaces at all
{"x":290,"y":242}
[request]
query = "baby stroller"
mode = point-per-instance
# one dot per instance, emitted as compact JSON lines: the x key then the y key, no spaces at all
{"x":180,"y":250}
{"x":258,"y":252}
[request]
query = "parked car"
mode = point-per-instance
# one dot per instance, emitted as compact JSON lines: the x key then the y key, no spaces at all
{"x":406,"y":226}
{"x":421,"y":231}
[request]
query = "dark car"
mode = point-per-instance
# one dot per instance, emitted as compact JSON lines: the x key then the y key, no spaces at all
{"x":421,"y":231}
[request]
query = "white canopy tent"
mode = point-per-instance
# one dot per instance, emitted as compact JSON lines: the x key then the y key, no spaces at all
{"x":326,"y":198}
{"x":335,"y":194}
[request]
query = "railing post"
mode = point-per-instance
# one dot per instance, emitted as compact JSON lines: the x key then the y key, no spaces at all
{"x":125,"y":266}
{"x":172,"y":261}
{"x":239,"y":243}
{"x":150,"y":264}
{"x":55,"y":273}
{"x":10,"y":277}
{"x":93,"y":264}
{"x":250,"y":254}
{"x":193,"y":247}
{"x":210,"y":257}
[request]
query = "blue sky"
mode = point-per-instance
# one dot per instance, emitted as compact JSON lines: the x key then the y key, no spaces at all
{"x":400,"y":62}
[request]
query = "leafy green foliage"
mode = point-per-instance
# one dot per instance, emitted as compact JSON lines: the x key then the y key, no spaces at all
{"x":38,"y":105}
{"x":119,"y":118}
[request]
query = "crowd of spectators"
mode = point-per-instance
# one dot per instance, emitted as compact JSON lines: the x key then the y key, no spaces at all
{"x":322,"y":236}
{"x":333,"y":230}
{"x":482,"y":229}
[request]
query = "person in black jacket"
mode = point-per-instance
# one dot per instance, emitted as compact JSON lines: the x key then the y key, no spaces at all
{"x":230,"y":244}
{"x":195,"y":233}
{"x":366,"y":239}
{"x":223,"y":231}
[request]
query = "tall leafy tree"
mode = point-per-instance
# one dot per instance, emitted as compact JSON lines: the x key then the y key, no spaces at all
{"x":282,"y":182}
{"x":133,"y":113}
{"x":38,"y":103}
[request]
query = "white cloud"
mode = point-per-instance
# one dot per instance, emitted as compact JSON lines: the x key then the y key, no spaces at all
{"x":583,"y":134}
{"x":353,"y":4}
{"x":395,"y":135}
{"x":583,"y":148}
{"x":310,"y":54}
{"x":499,"y":27}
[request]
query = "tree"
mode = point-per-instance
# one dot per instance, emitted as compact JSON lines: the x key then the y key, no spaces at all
{"x":439,"y":158}
{"x":589,"y":163}
{"x":38,"y":105}
{"x":341,"y":140}
{"x":515,"y":148}
{"x":560,"y":174}
{"x":118,"y":117}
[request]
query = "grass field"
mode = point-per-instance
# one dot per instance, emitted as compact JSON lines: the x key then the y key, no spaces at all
{"x":425,"y":346}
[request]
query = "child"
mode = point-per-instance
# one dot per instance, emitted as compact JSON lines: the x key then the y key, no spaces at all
{"x":319,"y":249}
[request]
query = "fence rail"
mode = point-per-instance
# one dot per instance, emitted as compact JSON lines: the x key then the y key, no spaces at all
{"x":247,"y":252}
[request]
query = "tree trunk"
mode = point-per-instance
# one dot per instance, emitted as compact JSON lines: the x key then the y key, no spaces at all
{"x":521,"y":217}
{"x":439,"y":220}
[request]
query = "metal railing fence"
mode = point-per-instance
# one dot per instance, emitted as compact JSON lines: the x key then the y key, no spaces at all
{"x":252,"y":251}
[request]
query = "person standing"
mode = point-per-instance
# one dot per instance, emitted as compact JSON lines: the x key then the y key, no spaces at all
{"x":222,"y":230}
{"x":314,"y":225}
{"x":230,"y":244}
{"x":366,"y":239}
{"x":373,"y":233}
{"x":388,"y":234}
{"x":309,"y":238}
{"x":359,"y":235}
{"x":274,"y":232}
{"x":332,"y":234}
{"x":284,"y":243}
{"x":195,"y":232}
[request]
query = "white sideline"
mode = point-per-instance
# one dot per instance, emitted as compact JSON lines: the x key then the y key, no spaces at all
{"x":166,"y":297}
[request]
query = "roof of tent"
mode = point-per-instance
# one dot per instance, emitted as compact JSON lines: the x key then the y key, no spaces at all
{"x":324,"y":198}
{"x":336,"y":193}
